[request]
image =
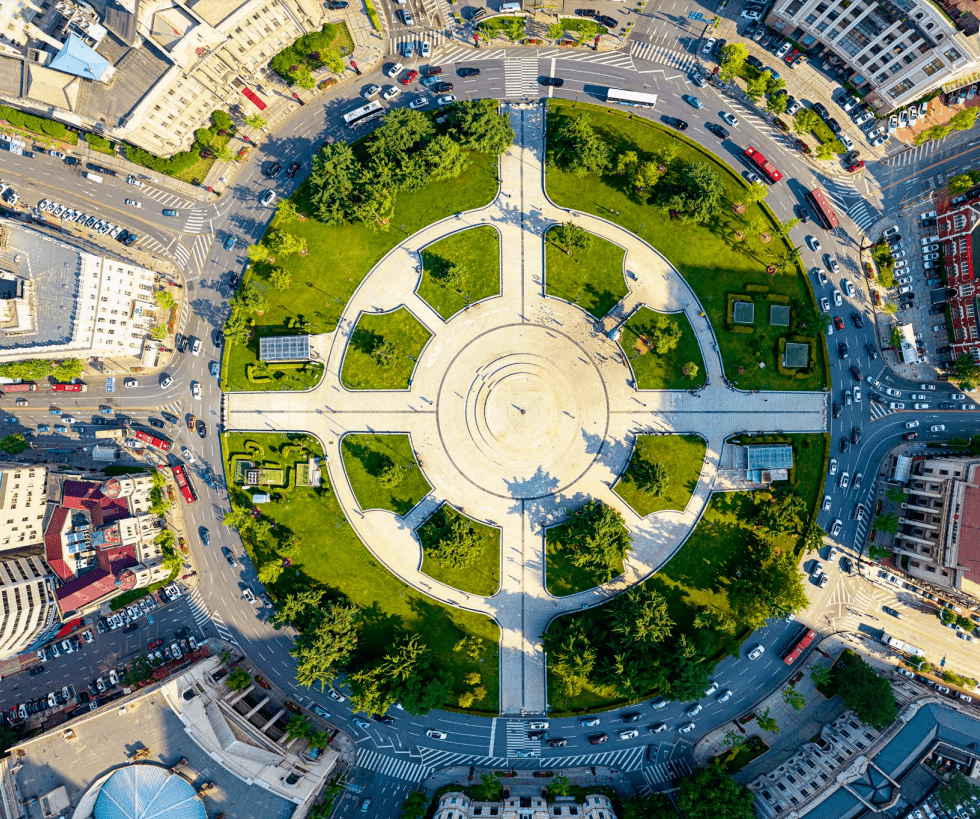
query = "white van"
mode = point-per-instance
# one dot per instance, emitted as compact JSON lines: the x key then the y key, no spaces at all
{"x":505,"y":7}
{"x":93,"y":177}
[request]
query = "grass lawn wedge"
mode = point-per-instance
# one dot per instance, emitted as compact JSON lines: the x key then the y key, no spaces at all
{"x":383,"y":472}
{"x":383,"y":350}
{"x":680,"y":456}
{"x":476,"y":570}
{"x":658,"y":346}
{"x":593,"y":278}
{"x":460,"y":270}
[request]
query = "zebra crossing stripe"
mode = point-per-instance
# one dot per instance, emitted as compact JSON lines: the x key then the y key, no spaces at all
{"x":390,"y":766}
{"x":660,"y":54}
{"x":521,"y":76}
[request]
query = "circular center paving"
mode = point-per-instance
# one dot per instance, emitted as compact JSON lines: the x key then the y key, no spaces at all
{"x":522,"y":411}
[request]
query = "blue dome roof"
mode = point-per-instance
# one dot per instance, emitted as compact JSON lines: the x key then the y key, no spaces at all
{"x":147,"y":792}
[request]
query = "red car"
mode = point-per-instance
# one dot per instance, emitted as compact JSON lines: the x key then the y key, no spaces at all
{"x":789,"y":58}
{"x":262,"y":682}
{"x":410,"y":77}
{"x":910,"y":436}
{"x":154,"y":644}
{"x":838,"y":322}
{"x":855,"y":167}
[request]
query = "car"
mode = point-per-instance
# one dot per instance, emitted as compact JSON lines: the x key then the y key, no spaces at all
{"x":857,"y":395}
{"x":418,"y":102}
{"x":395,"y":70}
{"x":731,"y":119}
{"x":558,"y":82}
{"x":407,"y":18}
{"x":188,"y":455}
{"x":589,"y":722}
{"x":724,"y":696}
{"x":679,"y":124}
{"x":845,"y":480}
{"x":629,"y":733}
{"x":942,"y":689}
{"x":607,"y":21}
{"x":467,"y":71}
{"x":911,"y":424}
{"x":408,"y":50}
{"x":855,"y":435}
{"x":694,"y":102}
{"x":586,"y":12}
{"x":751,"y":14}
{"x":826,"y":503}
{"x":229,"y":556}
{"x":838,"y":299}
{"x":845,"y":444}
{"x":424,"y":49}
{"x":539,"y":725}
{"x":858,"y":320}
{"x":441,"y":87}
{"x":335,"y":695}
{"x":856,"y":372}
{"x":435,"y":733}
{"x":837,"y":409}
{"x":905,"y":673}
{"x":920,"y":406}
{"x":841,"y":345}
{"x":267,"y":198}
{"x":196,"y":390}
{"x":410,"y":77}
{"x":658,"y":728}
{"x":598,"y":739}
{"x":370,"y":91}
{"x":839,"y":324}
{"x":910,"y":436}
{"x":446,"y":100}
{"x":756,"y":652}
{"x":249,"y":596}
{"x":708,"y":46}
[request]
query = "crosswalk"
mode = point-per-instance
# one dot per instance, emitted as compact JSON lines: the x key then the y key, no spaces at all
{"x":151,"y":245}
{"x":391,"y":766}
{"x":199,"y":249}
{"x":880,"y":411}
{"x":181,"y":255}
{"x":617,"y":59}
{"x":863,"y":214}
{"x":521,"y":76}
{"x":653,"y":775}
{"x":166,"y":198}
{"x":842,"y":193}
{"x":912,"y":155}
{"x":435,"y":39}
{"x":457,"y":53}
{"x":625,"y":759}
{"x":432,"y":758}
{"x":195,"y":221}
{"x":518,"y":742}
{"x":662,"y":55}
{"x":199,"y":612}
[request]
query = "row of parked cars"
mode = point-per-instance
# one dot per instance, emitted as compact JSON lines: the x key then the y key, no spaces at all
{"x":38,"y":705}
{"x":94,"y":223}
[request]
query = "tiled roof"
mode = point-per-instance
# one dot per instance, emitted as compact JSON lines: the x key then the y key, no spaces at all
{"x":82,"y":590}
{"x":81,"y":494}
{"x":969,"y":541}
{"x":53,"y":548}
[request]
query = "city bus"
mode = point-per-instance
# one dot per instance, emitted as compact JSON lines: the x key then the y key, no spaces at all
{"x":184,"y":484}
{"x":69,"y":387}
{"x":366,"y":113}
{"x":152,"y":440}
{"x":800,"y":644}
{"x":825,"y":214}
{"x":763,"y":165}
{"x":634,"y":98}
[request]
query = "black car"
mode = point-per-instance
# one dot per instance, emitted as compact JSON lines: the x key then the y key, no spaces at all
{"x":170,"y":418}
{"x":465,"y":71}
{"x":834,"y":125}
{"x":607,"y":21}
{"x":131,"y":240}
{"x":441,"y":87}
{"x":156,"y":422}
{"x":844,"y":444}
{"x":947,"y":406}
{"x":273,"y":170}
{"x":802,"y":213}
{"x":937,"y":310}
{"x":586,"y":12}
{"x":633,"y":716}
{"x":858,"y":320}
{"x":131,"y":627}
{"x":70,"y":160}
{"x":846,"y":564}
{"x":336,"y":5}
{"x":855,"y":435}
{"x":229,"y":556}
{"x":202,"y":429}
{"x":820,"y":109}
{"x":717,"y":130}
{"x":872,"y":351}
{"x":295,"y":166}
{"x":719,"y":45}
{"x":755,"y":62}
{"x":123,"y":236}
{"x":842,"y":349}
{"x":894,"y":239}
{"x":217,"y":337}
{"x":384,"y":719}
{"x":558,"y":742}
{"x":35,"y":670}
{"x":557,"y":82}
{"x":677,"y":123}
{"x":183,"y":631}
{"x":537,"y":734}
{"x":837,"y":409}
{"x":856,"y":373}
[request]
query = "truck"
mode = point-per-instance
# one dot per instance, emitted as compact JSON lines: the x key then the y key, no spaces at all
{"x":110,"y":432}
{"x":23,"y":386}
{"x":897,"y":645}
{"x":93,"y":177}
{"x":69,"y":387}
{"x":152,"y":440}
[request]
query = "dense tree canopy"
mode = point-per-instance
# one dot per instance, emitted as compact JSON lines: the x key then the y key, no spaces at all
{"x":479,"y":125}
{"x":866,"y":692}
{"x":710,"y":793}
{"x":580,"y":149}
{"x":597,"y":538}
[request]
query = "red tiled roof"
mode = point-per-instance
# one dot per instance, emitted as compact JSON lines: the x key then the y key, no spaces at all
{"x":969,"y":535}
{"x":116,"y":558}
{"x":111,"y":509}
{"x":80,"y":494}
{"x":53,"y":547}
{"x":85,"y":589}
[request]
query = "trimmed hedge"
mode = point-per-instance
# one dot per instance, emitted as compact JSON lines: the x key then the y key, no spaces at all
{"x":38,"y":125}
{"x":743,"y":329}
{"x":777,"y":298}
{"x":757,"y":288}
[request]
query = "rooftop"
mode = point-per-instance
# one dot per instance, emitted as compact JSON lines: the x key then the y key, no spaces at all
{"x":770,"y":456}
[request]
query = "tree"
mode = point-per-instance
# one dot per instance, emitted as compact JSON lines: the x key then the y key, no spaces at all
{"x":572,"y":238}
{"x":776,"y":104}
{"x":820,"y":675}
{"x":236,"y":328}
{"x":598,"y":539}
{"x":965,"y":368}
{"x":286,"y":211}
{"x":334,"y":174}
{"x":319,"y":739}
{"x":570,"y":653}
{"x":457,"y":545}
{"x":778,"y":511}
{"x":280,"y":279}
{"x":479,"y":125}
{"x":587,"y":30}
{"x":886,"y":523}
{"x":514,"y":29}
{"x":733,"y":738}
{"x":640,"y":616}
{"x":654,"y":806}
{"x":690,"y":369}
{"x":284,"y":244}
{"x":813,"y":536}
{"x":580,"y":149}
{"x":960,"y":183}
{"x":825,"y":151}
{"x":165,"y":299}
{"x":865,"y":692}
{"x":270,"y":572}
{"x":755,"y":88}
{"x":754,"y":193}
{"x":444,"y":158}
{"x":239,"y":679}
{"x":223,"y":153}
{"x":767,"y":723}
{"x":710,"y":793}
{"x":794,"y":699}
{"x":964,"y":119}
{"x":696,"y":195}
{"x":258,"y":252}
{"x":327,"y":644}
{"x":384,"y":352}
{"x":298,"y":727}
{"x":805,"y":120}
{"x":13,"y":444}
{"x":889,"y":308}
{"x":401,"y":130}
{"x":68,"y":369}
{"x":769,"y":585}
{"x":957,"y":790}
{"x":689,"y":670}
{"x":452,"y":275}
{"x":732,"y":60}
{"x":651,"y":477}
{"x":298,"y":609}
{"x":562,"y":786}
{"x":663,"y":334}
{"x":416,"y":806}
{"x":255,"y":121}
{"x":250,"y":300}
{"x":896,"y":494}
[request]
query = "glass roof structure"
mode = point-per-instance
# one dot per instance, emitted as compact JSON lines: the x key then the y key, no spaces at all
{"x":147,"y":792}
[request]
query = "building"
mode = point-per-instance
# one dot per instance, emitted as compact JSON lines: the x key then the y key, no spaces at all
{"x":955,"y":226}
{"x":100,"y":540}
{"x":23,"y":500}
{"x":894,"y":51}
{"x":457,"y":805}
{"x":57,"y":301}
{"x":939,"y":523}
{"x":148,"y":73}
{"x":27,"y":596}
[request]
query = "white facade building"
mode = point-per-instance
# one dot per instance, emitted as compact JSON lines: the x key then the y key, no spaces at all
{"x":23,"y":498}
{"x":456,"y":805}
{"x":27,"y":597}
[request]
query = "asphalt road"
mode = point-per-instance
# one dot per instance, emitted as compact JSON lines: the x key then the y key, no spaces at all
{"x":219,"y":607}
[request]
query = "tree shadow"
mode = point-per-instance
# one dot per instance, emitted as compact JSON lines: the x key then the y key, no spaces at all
{"x":373,"y":461}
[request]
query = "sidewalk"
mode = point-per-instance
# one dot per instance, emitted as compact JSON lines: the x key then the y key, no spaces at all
{"x":526,"y":784}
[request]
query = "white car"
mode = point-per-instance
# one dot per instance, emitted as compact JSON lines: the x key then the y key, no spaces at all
{"x":848,"y":287}
{"x":813,"y":243}
{"x":725,"y":695}
{"x":838,"y":299}
{"x":248,"y":595}
{"x":395,"y":70}
{"x":130,"y":382}
{"x":937,"y":428}
{"x":629,"y":733}
{"x":391,"y":93}
{"x":927,"y":387}
{"x":920,"y":406}
{"x":845,"y":480}
{"x":904,"y":280}
{"x":196,"y":390}
{"x":901,"y":264}
{"x":957,"y":396}
{"x":370,"y":91}
{"x":424,"y":50}
{"x":538,"y":726}
{"x":911,"y":424}
{"x":833,"y":466}
{"x":188,"y":456}
{"x":446,"y":100}
{"x":825,"y":304}
{"x":857,"y":395}
{"x":419,"y":102}
{"x":434,"y":733}
{"x":846,"y":141}
{"x":905,"y":288}
{"x":754,"y":178}
{"x":175,"y":652}
{"x":708,"y":46}
{"x":134,"y":203}
{"x":750,"y":14}
{"x":711,"y":689}
{"x":757,"y":652}
{"x":930,"y":257}
{"x":113,"y":677}
{"x":731,"y":119}
{"x":826,"y":503}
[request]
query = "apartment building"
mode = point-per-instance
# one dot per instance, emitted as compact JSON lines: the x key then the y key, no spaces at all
{"x":939,"y":523}
{"x":23,"y":500}
{"x":456,"y":805}
{"x":893,"y":51}
{"x":27,"y":597}
{"x":955,"y":225}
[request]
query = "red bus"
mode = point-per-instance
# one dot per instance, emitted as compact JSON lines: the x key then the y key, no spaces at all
{"x":826,"y":216}
{"x":24,"y":386}
{"x":765,"y":167}
{"x":152,"y":440}
{"x":69,"y":387}
{"x":798,"y":646}
{"x":184,"y":484}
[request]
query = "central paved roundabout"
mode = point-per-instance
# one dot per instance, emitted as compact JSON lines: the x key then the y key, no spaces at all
{"x":521,"y":401}
{"x":521,"y":408}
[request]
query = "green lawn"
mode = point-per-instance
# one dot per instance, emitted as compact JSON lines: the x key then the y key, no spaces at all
{"x":332,"y":557}
{"x":477,"y":252}
{"x":483,"y":577}
{"x":340,"y":256}
{"x":682,"y":455}
{"x":562,"y":576}
{"x":711,"y":257}
{"x":367,"y":457}
{"x":264,"y":376}
{"x":661,"y":372}
{"x":594,"y":279}
{"x":361,"y":371}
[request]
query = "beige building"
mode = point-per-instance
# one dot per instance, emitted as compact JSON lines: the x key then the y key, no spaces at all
{"x":456,"y":805}
{"x":147,"y":72}
{"x":27,"y":596}
{"x":939,"y":523}
{"x":894,"y":52}
{"x":23,"y":498}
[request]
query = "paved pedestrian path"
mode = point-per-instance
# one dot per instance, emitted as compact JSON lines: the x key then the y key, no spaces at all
{"x":521,"y":406}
